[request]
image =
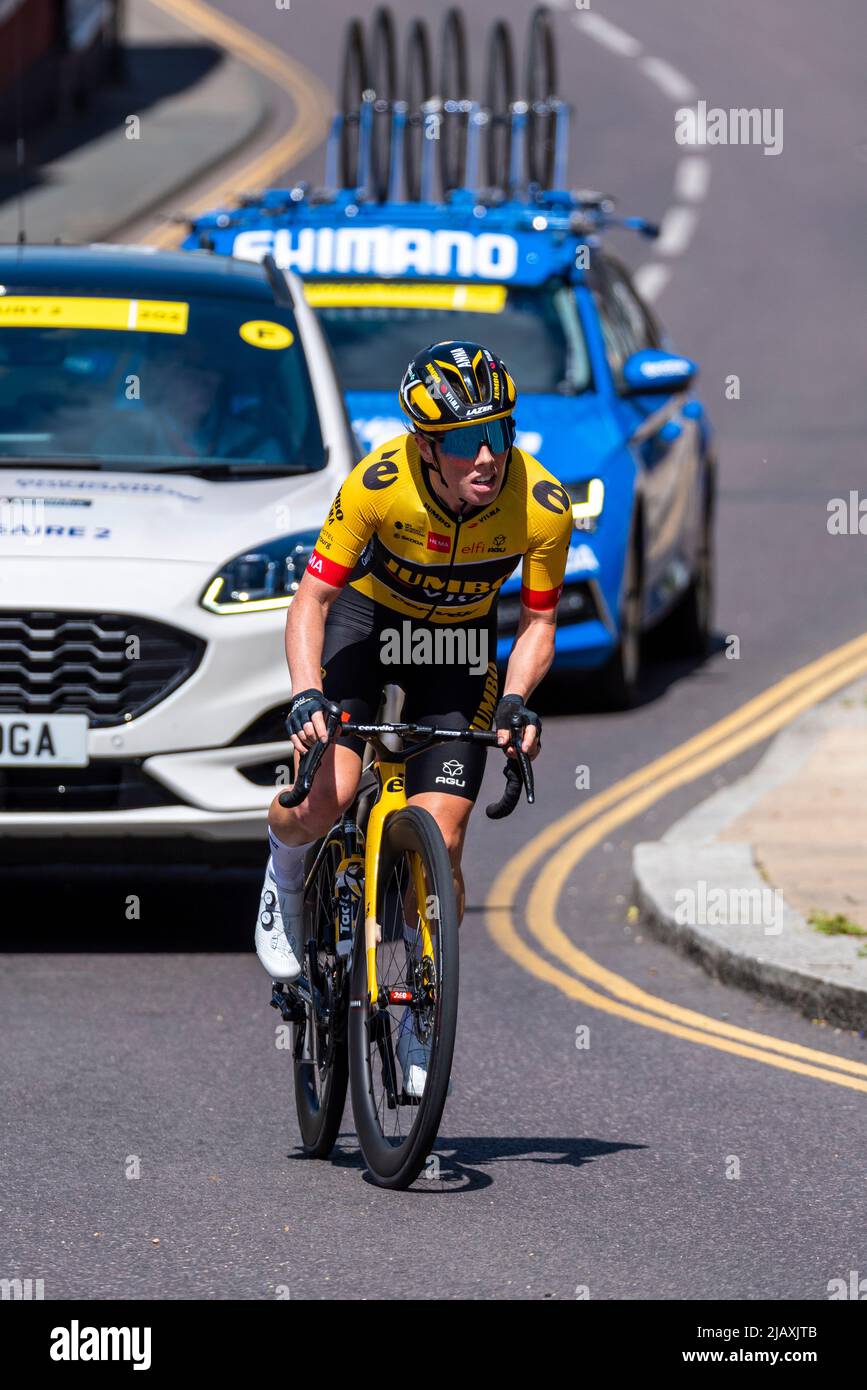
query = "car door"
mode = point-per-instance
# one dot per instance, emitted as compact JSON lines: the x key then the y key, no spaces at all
{"x":664,"y":439}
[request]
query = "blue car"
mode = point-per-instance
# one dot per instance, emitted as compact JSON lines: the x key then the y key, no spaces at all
{"x":603,"y":402}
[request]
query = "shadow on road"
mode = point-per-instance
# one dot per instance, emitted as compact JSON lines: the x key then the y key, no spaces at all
{"x":152,"y":74}
{"x":453,"y":1167}
{"x":90,"y":909}
{"x":575,"y":692}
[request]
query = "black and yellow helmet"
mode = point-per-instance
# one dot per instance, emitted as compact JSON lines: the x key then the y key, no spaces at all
{"x":456,"y":383}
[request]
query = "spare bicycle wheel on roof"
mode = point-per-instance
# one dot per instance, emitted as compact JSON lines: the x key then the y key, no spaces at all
{"x":353,"y":84}
{"x":540,"y":86}
{"x":382,"y":74}
{"x":417,"y":89}
{"x":499,"y":96}
{"x":454,"y":88}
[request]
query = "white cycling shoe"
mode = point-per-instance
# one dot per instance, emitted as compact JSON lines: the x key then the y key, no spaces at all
{"x":413,"y":1055}
{"x":279,"y":931}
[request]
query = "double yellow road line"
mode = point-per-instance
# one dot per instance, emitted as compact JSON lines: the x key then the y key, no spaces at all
{"x":550,"y":858}
{"x":311,"y":101}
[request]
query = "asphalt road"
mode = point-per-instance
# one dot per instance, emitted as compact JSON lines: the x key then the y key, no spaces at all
{"x":559,"y":1168}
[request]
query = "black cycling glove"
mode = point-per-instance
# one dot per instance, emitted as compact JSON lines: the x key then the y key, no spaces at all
{"x":511,"y":705}
{"x":304,"y":705}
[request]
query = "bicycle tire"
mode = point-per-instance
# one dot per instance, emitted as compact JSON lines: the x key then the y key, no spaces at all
{"x":321,"y":1099}
{"x":453,"y":86}
{"x":540,"y":85}
{"x":353,"y":83}
{"x":418,"y":88}
{"x":397,"y":1165}
{"x":383,"y":82}
{"x":499,"y":96}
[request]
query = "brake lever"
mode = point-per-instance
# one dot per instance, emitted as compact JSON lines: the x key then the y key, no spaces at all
{"x":309,"y":764}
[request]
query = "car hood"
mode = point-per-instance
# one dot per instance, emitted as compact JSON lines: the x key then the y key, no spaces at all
{"x":573,"y":436}
{"x":140,"y":516}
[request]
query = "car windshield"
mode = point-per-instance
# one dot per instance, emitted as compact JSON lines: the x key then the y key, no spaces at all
{"x":376,"y":327}
{"x":206,"y":384}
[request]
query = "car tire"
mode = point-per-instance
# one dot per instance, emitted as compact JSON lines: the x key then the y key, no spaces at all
{"x":687,"y":629}
{"x":620,"y":682}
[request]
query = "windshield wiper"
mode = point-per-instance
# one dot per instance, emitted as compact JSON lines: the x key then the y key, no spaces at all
{"x":216,"y":471}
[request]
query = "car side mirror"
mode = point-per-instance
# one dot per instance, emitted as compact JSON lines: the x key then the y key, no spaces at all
{"x":657,"y":372}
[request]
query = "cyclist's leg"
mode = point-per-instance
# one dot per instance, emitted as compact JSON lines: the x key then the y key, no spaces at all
{"x":350,"y":677}
{"x":446,"y":779}
{"x":346,"y":667}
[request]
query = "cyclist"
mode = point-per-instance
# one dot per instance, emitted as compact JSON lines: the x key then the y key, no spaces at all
{"x":418,"y":541}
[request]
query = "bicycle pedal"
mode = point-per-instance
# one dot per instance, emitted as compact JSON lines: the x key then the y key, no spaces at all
{"x":291,"y":1008}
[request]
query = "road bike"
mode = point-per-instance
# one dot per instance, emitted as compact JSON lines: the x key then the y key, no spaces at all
{"x":381,"y":950}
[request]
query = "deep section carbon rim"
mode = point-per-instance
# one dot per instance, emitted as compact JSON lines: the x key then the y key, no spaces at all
{"x":412,"y":1024}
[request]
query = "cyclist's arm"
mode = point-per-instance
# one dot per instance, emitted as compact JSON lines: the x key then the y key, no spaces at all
{"x":350,"y":523}
{"x":542,"y":576}
{"x":529,"y":662}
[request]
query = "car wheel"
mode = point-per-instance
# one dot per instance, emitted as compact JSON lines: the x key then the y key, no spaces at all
{"x":620,"y":681}
{"x":688,"y":628}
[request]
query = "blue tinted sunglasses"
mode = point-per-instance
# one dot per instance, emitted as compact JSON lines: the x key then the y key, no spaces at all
{"x":466,"y":441}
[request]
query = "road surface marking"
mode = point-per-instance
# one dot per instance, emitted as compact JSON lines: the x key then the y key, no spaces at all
{"x":604,"y":32}
{"x":666,"y":77}
{"x":753,"y":722}
{"x":310,"y":98}
{"x":691,"y":178}
{"x":676,"y":231}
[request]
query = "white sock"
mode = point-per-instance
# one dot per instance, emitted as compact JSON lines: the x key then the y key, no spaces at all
{"x":288,"y":864}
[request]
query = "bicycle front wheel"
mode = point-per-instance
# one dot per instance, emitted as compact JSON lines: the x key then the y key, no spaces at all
{"x":410,"y":1026}
{"x":321,"y":1070}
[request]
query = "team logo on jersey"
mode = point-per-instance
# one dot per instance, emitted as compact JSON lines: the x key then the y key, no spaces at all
{"x":380,"y":474}
{"x":438,"y":542}
{"x":552,"y":497}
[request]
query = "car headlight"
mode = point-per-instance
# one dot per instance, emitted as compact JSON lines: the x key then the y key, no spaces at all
{"x":262,"y":577}
{"x":588,"y":499}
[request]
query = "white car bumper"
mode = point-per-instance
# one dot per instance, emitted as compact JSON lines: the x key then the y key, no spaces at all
{"x":182,"y":753}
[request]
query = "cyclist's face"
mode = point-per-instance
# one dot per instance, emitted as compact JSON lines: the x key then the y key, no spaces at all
{"x":474,"y":483}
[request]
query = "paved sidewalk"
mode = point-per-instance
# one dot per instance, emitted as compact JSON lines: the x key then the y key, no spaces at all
{"x":195,"y":104}
{"x":744,"y":881}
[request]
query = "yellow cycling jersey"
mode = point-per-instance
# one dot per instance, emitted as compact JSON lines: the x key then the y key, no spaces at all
{"x":391,"y":538}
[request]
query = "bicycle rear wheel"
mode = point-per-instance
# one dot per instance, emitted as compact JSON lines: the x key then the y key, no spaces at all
{"x":320,"y":1048}
{"x":396,"y":1131}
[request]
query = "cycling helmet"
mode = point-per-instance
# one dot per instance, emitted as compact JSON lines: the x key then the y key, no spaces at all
{"x":456,"y":383}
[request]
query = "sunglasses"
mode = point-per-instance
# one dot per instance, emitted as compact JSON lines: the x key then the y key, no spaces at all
{"x":466,"y":441}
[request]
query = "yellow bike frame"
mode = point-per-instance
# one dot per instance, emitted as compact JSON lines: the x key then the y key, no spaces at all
{"x":391,"y":798}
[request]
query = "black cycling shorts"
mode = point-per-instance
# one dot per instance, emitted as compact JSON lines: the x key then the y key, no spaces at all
{"x":451,"y":682}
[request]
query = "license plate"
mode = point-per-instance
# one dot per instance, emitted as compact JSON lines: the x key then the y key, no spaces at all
{"x":50,"y":740}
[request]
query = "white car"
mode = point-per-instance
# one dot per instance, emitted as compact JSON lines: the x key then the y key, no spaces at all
{"x":171,"y":436}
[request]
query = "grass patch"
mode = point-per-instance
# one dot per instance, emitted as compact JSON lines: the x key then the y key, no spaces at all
{"x":836,"y":925}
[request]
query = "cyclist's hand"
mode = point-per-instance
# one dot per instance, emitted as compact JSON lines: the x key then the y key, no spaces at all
{"x":532,"y":725}
{"x":306,"y":721}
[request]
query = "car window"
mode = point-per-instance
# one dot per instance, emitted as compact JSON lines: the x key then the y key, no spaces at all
{"x":374,"y":329}
{"x":627,"y":326}
{"x":140,"y":384}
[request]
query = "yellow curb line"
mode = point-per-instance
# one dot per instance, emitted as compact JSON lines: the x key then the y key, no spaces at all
{"x":310,"y":98}
{"x":750,"y":724}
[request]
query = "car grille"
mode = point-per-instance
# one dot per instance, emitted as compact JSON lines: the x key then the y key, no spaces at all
{"x":104,"y":785}
{"x":109,"y":666}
